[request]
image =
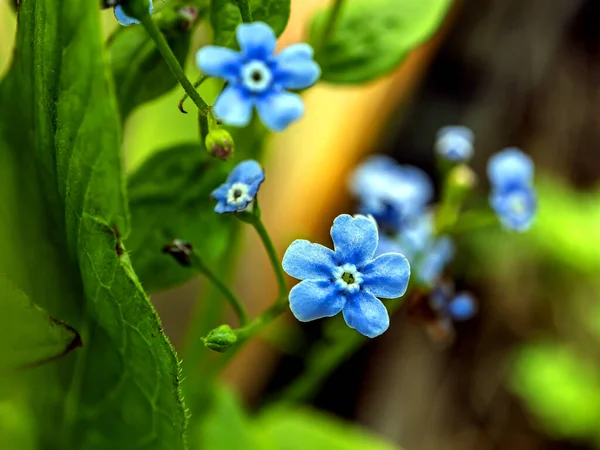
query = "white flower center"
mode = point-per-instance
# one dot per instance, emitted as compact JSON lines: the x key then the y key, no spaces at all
{"x":347,"y":277}
{"x":256,"y":76}
{"x":238,"y":194}
{"x":517,"y":204}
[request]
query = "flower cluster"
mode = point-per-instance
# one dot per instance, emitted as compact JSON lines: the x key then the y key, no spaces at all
{"x":397,"y":197}
{"x":513,"y":196}
{"x":256,"y":77}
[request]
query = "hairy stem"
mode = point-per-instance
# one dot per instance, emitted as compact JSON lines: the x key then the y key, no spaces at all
{"x":244,"y":10}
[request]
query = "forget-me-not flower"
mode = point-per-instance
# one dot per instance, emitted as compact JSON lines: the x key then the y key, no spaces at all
{"x":346,"y":279}
{"x":124,"y":19}
{"x":240,"y":189}
{"x":513,"y":197}
{"x":455,"y":143}
{"x":390,"y":192}
{"x":259,"y":78}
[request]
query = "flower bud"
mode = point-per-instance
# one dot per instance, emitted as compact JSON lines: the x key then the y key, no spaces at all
{"x":220,"y":339}
{"x":462,"y":178}
{"x":180,"y":250}
{"x":219,"y":144}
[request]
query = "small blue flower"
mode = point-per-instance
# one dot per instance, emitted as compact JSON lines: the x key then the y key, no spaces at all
{"x":433,"y":260}
{"x":513,"y":197}
{"x":259,"y":78}
{"x":240,"y":189}
{"x":124,"y":19}
{"x":347,"y":279}
{"x":390,"y":192}
{"x":455,"y":143}
{"x":447,"y":304}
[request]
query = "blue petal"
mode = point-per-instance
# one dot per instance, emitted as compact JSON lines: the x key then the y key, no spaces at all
{"x":220,"y":193}
{"x":462,"y":307}
{"x":278,"y":109}
{"x":257,"y":40}
{"x":219,"y":62}
{"x":386,"y":276}
{"x":307,"y":261}
{"x":430,"y":268}
{"x":311,"y":299}
{"x":510,"y":166}
{"x":223,"y":207}
{"x":521,"y":217}
{"x":366,"y":314}
{"x":295,"y":68}
{"x":355,"y":239}
{"x":234,"y":106}
{"x":249,"y":172}
{"x":123,"y":18}
{"x":455,"y":143}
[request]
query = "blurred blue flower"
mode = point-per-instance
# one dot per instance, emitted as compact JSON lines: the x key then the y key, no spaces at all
{"x":124,"y":19}
{"x":427,"y":254}
{"x":240,"y":189}
{"x":390,"y":192}
{"x":258,"y":77}
{"x":446,"y":303}
{"x":455,"y":143}
{"x":347,"y":279}
{"x":513,"y":197}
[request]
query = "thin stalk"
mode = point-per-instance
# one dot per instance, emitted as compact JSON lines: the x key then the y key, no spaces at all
{"x":332,"y":20}
{"x":237,"y":306}
{"x":244,"y":10}
{"x":171,"y":60}
{"x":273,"y":258}
{"x":197,"y":83}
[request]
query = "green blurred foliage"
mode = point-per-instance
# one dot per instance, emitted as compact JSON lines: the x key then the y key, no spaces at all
{"x":372,"y":37}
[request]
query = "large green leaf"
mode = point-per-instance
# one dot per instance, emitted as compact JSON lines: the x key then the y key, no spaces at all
{"x":170,"y":198}
{"x":29,"y":335}
{"x":372,"y":37}
{"x":225,"y":18}
{"x":63,"y":214}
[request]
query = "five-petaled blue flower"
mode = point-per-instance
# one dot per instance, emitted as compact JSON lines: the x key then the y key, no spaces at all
{"x":240,"y":189}
{"x":258,"y":77}
{"x":513,"y":197}
{"x":390,"y":192}
{"x":347,"y":279}
{"x":124,"y":19}
{"x":455,"y":143}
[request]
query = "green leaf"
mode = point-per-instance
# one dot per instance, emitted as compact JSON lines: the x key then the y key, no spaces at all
{"x":372,"y":37}
{"x":169,"y":198}
{"x":299,"y":429}
{"x":560,"y":388}
{"x":225,"y":18}
{"x":28,"y":335}
{"x":139,"y":72}
{"x":64,"y":214}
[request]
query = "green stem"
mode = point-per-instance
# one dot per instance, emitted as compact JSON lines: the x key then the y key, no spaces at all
{"x":197,"y":83}
{"x":244,"y":10}
{"x":273,"y":257}
{"x":171,"y":60}
{"x":237,"y":306}
{"x":331,"y":23}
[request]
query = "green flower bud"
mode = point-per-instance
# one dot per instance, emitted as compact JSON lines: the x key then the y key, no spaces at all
{"x":219,"y":144}
{"x":220,"y":339}
{"x":462,"y":178}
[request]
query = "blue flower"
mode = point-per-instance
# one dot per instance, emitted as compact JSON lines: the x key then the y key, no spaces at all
{"x":513,"y":197}
{"x":124,"y":19}
{"x":240,"y":189}
{"x":447,"y":304}
{"x":427,"y":254}
{"x":258,"y":77}
{"x":347,"y":279}
{"x":390,"y":192}
{"x":455,"y":143}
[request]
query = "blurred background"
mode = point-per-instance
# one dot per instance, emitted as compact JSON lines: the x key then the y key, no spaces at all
{"x":525,"y":372}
